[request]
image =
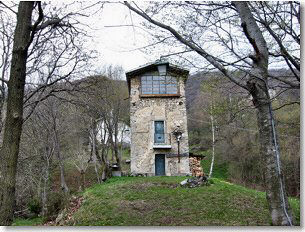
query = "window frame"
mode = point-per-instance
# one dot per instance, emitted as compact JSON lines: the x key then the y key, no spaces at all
{"x":154,"y":131}
{"x":161,"y":92}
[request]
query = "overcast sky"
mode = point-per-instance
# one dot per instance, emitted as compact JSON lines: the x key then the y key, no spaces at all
{"x":117,"y":45}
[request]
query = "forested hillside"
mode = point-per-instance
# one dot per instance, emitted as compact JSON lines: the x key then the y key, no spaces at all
{"x":71,"y":141}
{"x":237,"y":141}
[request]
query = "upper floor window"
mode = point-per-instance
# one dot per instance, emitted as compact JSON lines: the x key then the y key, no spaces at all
{"x":159,"y":85}
{"x":159,"y":132}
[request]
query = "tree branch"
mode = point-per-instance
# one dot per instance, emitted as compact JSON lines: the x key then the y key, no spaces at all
{"x":190,"y":44}
{"x":8,"y":8}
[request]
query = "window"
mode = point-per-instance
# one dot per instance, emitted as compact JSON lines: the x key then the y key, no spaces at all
{"x":159,"y":85}
{"x":159,"y":132}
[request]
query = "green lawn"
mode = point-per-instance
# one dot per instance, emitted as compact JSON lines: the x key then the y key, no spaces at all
{"x":28,"y":222}
{"x":158,"y":201}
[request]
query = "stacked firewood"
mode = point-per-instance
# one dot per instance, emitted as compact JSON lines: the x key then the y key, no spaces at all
{"x":196,"y":167}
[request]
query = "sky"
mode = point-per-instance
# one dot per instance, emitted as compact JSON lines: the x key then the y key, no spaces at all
{"x":116,"y":37}
{"x":117,"y":44}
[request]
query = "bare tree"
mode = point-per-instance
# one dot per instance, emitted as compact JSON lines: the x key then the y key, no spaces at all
{"x":13,"y":123}
{"x":53,"y":112}
{"x":39,"y":131}
{"x":282,"y":22}
{"x":104,"y":101}
{"x":7,"y":39}
{"x":26,"y":38}
{"x":81,"y":163}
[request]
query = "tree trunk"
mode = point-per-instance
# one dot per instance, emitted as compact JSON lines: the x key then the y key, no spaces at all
{"x":5,"y":66}
{"x":105,"y":166}
{"x":13,"y":124}
{"x":82,"y":176}
{"x":45,"y":191}
{"x":63,"y":183}
{"x":213,"y":134}
{"x":274,"y":182}
{"x":113,"y":136}
{"x":95,"y":155}
{"x":258,"y":87}
{"x":121,"y":139}
{"x":116,"y":146}
{"x":213,"y":146}
{"x":95,"y":164}
{"x":2,"y":115}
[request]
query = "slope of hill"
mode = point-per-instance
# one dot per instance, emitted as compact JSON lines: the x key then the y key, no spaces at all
{"x":160,"y":201}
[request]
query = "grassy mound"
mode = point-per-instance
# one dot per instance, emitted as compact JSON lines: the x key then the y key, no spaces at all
{"x":160,"y":201}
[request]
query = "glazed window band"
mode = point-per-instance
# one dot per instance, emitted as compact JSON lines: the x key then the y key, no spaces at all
{"x":159,"y":85}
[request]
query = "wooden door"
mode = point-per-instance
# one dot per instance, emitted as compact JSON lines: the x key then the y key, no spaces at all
{"x":160,"y":165}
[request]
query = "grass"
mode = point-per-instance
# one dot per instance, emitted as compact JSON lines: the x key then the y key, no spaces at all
{"x":28,"y":222}
{"x":220,"y":170}
{"x":157,"y":201}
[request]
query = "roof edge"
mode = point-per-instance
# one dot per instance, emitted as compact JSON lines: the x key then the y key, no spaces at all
{"x":151,"y":65}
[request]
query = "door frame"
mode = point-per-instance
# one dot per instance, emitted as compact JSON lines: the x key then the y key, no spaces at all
{"x":156,"y":164}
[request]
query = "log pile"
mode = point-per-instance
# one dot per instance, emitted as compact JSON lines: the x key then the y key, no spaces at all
{"x":195,"y":167}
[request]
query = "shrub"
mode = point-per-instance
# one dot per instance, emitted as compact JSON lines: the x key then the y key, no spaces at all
{"x":34,"y":206}
{"x":57,"y":201}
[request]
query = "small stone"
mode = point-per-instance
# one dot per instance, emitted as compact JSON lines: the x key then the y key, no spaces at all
{"x":184,"y":182}
{"x":60,"y":217}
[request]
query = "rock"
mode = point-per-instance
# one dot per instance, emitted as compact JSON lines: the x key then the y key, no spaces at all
{"x":117,"y":173}
{"x":184,"y":182}
{"x":194,"y":182}
{"x":60,"y":217}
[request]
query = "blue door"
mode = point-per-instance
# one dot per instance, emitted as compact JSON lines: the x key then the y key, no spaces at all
{"x":159,"y":132}
{"x":160,"y":165}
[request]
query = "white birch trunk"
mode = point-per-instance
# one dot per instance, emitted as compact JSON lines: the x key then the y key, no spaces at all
{"x":213,"y":146}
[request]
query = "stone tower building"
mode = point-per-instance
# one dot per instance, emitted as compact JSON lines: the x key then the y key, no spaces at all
{"x":158,"y":122}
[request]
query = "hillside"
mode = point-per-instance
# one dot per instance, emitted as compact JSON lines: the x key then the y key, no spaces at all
{"x":159,"y":201}
{"x":194,"y":83}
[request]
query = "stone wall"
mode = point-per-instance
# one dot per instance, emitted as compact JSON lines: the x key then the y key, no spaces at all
{"x":143,"y":113}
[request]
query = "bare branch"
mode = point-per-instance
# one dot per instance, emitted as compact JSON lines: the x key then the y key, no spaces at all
{"x":188,"y":43}
{"x":2,"y":3}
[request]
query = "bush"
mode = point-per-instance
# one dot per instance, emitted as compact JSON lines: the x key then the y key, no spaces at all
{"x":57,"y":201}
{"x":34,"y":206}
